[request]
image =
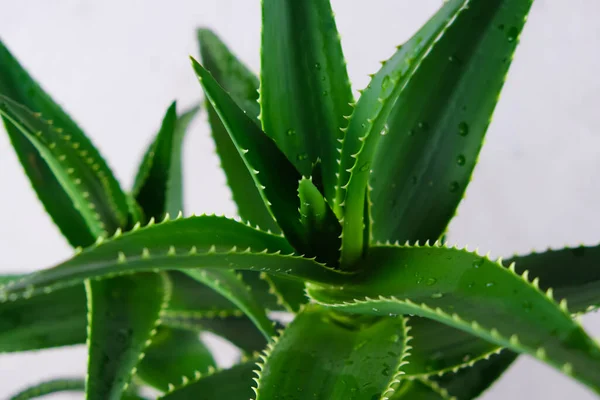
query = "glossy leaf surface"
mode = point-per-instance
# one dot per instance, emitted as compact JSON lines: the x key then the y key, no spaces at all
{"x":437,"y":125}
{"x":328,"y":357}
{"x":467,"y":291}
{"x":305,"y":92}
{"x":123,"y":316}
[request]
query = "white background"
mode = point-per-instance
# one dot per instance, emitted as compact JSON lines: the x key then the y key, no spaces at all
{"x":116,"y":65}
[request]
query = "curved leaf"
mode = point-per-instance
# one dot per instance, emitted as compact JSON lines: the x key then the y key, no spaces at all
{"x":196,"y":242}
{"x":237,"y":329}
{"x":329,"y":357}
{"x":468,"y":291}
{"x":420,"y":389}
{"x":242,"y":86}
{"x":276,"y":178}
{"x":158,"y":186}
{"x":123,"y":315}
{"x":437,"y":125}
{"x":49,"y":387}
{"x":290,"y":293}
{"x":231,"y":384}
{"x":305,"y":92}
{"x":174,"y":354}
{"x":69,"y":141}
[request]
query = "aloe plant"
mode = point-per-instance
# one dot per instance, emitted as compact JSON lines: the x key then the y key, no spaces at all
{"x":344,"y":206}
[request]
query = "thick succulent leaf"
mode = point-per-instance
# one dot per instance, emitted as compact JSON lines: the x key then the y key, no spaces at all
{"x":174,"y":354}
{"x":123,"y":315}
{"x":237,"y":329}
{"x":290,"y":293}
{"x":242,"y":86}
{"x":469,"y":383}
{"x":196,"y":242}
{"x":421,"y":389}
{"x":70,"y":141}
{"x":158,"y":186}
{"x":75,"y":167}
{"x":56,"y":319}
{"x":276,"y":178}
{"x":320,"y":223}
{"x":468,"y":291}
{"x":305,"y":92}
{"x":231,"y":384}
{"x":231,"y":286}
{"x":436,"y":127}
{"x":332,"y":357}
{"x":49,"y":387}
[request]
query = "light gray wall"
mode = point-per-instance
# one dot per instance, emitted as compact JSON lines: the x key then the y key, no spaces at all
{"x":116,"y":65}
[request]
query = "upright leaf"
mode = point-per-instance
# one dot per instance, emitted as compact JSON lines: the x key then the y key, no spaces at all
{"x":158,"y":187}
{"x":123,"y":315}
{"x":329,"y":357}
{"x":242,"y":86}
{"x":276,"y":178}
{"x":436,"y":127}
{"x":174,"y":355}
{"x":468,"y":291}
{"x":18,"y":85}
{"x":305,"y":92}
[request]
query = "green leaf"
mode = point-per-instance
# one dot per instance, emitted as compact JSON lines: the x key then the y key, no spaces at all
{"x":468,"y":292}
{"x":322,"y":227}
{"x":173,"y":355}
{"x":231,"y":286}
{"x":49,"y":387}
{"x":273,"y":174}
{"x":437,"y":125}
{"x":331,"y":357}
{"x":242,"y":86}
{"x":52,"y":320}
{"x":469,"y":383}
{"x":290,"y":293}
{"x":158,"y":187}
{"x":41,"y":163}
{"x":421,"y":389}
{"x":77,"y":170}
{"x":123,"y":315}
{"x":237,"y":329}
{"x":231,"y":384}
{"x":196,"y":242}
{"x":305,"y":92}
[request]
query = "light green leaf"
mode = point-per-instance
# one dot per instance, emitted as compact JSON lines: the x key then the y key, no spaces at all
{"x":123,"y":314}
{"x":305,"y":92}
{"x":41,"y":163}
{"x":468,"y":292}
{"x":421,"y":389}
{"x":290,"y":293}
{"x":173,"y":355}
{"x":175,"y":245}
{"x":242,"y":86}
{"x":49,"y":387}
{"x":158,"y":186}
{"x":331,"y":357}
{"x":231,"y":384}
{"x":276,"y":178}
{"x":436,"y":128}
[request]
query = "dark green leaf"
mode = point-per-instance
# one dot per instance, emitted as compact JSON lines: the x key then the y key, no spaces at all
{"x":174,"y":355}
{"x":438,"y":123}
{"x":331,"y":357}
{"x":420,"y":389}
{"x":304,"y":92}
{"x":242,"y":86}
{"x":49,"y":387}
{"x":468,"y":291}
{"x":158,"y":186}
{"x":290,"y":293}
{"x":273,"y":174}
{"x":231,"y":384}
{"x":196,"y":242}
{"x":123,"y":316}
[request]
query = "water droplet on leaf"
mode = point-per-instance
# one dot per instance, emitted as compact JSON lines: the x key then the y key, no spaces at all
{"x":453,"y":187}
{"x":291,"y":132}
{"x":430,"y":281}
{"x":463,"y":129}
{"x":460,"y":160}
{"x":437,"y":295}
